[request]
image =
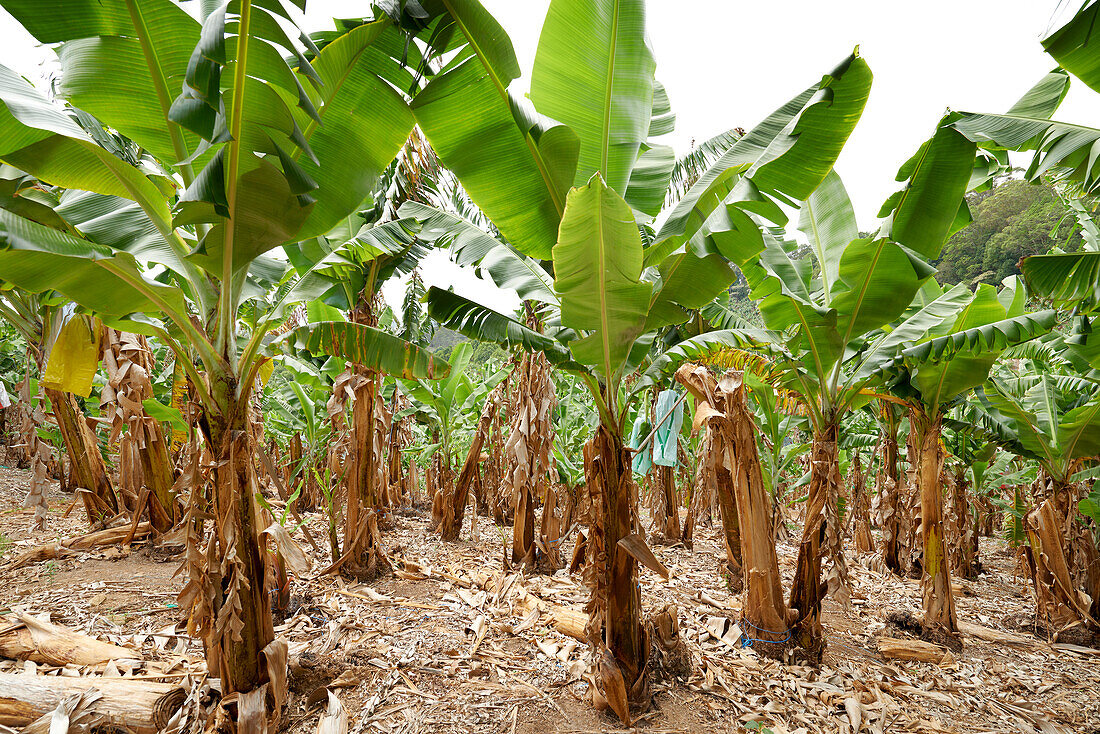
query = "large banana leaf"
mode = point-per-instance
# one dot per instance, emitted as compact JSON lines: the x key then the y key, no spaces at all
{"x":1057,"y":145}
{"x":38,"y":137}
{"x":364,"y":346}
{"x":977,"y":335}
{"x":122,"y":61}
{"x":1079,"y":431}
{"x":597,"y":271}
{"x":480,"y":322}
{"x":38,"y":258}
{"x":786,"y":156}
{"x":886,"y":351}
{"x":361,"y":124}
{"x":471,"y":246}
{"x":516,"y":168}
{"x":593,"y":71}
{"x":1065,"y":278}
{"x":930,"y":207}
{"x":995,"y":336}
{"x":1074,"y":46}
{"x":252,"y":204}
{"x":754,"y":345}
{"x":829,"y":223}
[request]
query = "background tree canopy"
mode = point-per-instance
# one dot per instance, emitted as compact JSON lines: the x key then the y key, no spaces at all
{"x":1011,"y":221}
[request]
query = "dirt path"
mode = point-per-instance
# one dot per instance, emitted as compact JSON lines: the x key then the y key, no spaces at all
{"x":453,"y":643}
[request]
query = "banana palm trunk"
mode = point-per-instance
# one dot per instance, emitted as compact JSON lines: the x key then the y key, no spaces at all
{"x":939,"y":603}
{"x":808,"y":590}
{"x":615,"y":606}
{"x":235,"y":615}
{"x":88,"y":467}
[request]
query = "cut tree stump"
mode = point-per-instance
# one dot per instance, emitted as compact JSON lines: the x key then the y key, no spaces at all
{"x":45,"y":642}
{"x":896,"y":648}
{"x":139,"y":707}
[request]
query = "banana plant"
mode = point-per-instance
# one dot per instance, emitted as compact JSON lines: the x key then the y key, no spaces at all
{"x":355,"y":269}
{"x":447,"y":405}
{"x":1053,"y":418}
{"x":254,"y":153}
{"x":39,"y":318}
{"x":825,"y":311}
{"x":567,"y":188}
{"x":978,"y":327}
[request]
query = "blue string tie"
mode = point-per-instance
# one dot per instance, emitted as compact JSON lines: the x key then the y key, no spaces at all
{"x":747,"y":641}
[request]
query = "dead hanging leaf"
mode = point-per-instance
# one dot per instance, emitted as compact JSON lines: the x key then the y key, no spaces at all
{"x":703,"y":412}
{"x":335,"y":720}
{"x":292,"y":553}
{"x":276,"y":654}
{"x":635,"y":545}
{"x":614,"y":689}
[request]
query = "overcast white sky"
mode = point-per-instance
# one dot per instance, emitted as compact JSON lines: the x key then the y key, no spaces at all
{"x":728,"y":63}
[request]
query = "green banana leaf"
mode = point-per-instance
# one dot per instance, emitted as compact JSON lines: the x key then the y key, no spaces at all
{"x":484,"y":324}
{"x":365,"y":346}
{"x":597,"y":274}
{"x":593,"y":71}
{"x":515,"y":167}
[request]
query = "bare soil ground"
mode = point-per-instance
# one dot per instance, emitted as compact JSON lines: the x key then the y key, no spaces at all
{"x":454,"y":643}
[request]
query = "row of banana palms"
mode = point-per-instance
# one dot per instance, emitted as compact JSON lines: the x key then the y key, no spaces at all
{"x":242,"y":191}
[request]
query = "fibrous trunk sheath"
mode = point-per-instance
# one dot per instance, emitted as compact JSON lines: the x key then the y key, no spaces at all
{"x":808,"y":589}
{"x":615,"y":606}
{"x":1060,"y":604}
{"x":363,"y":557}
{"x":939,"y":604}
{"x":230,"y":606}
{"x":89,"y":469}
{"x":892,"y":506}
{"x":733,"y":442}
{"x":965,"y":556}
{"x":527,"y":457}
{"x":456,"y":499}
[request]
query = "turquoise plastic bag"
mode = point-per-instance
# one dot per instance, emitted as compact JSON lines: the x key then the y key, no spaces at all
{"x":642,"y":460}
{"x":668,"y":432}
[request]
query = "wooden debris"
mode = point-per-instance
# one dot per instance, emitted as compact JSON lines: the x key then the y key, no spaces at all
{"x":570,"y":621}
{"x":141,"y":707}
{"x":88,"y":541}
{"x":44,"y":642}
{"x":896,"y":648}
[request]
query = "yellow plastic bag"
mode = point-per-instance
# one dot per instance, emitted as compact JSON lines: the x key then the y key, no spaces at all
{"x":75,"y":357}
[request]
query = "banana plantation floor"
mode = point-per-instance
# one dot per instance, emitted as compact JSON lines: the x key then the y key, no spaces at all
{"x":452,"y":643}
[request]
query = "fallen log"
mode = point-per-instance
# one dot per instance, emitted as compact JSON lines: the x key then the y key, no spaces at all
{"x":110,"y":536}
{"x":896,"y":648}
{"x":139,"y":707}
{"x":998,"y":636}
{"x":45,"y":552}
{"x":45,"y":642}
